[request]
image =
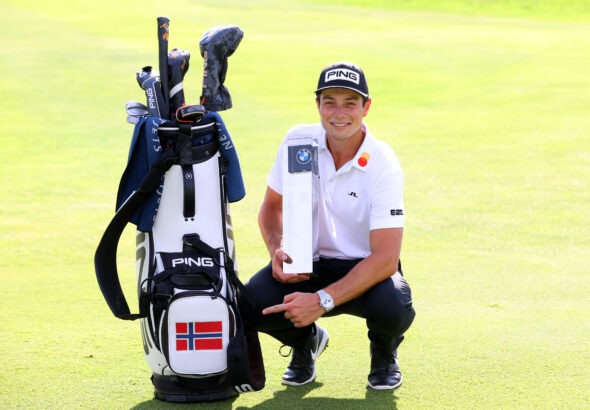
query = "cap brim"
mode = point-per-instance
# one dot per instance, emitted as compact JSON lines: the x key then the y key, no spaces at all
{"x":341,"y":86}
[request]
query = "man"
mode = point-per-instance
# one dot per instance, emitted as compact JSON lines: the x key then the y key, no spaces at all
{"x":361,"y":216}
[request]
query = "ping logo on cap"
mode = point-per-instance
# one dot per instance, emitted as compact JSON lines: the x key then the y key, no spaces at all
{"x":342,"y":74}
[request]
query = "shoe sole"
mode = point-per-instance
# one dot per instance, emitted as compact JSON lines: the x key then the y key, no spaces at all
{"x":321,"y":348}
{"x":385,"y":387}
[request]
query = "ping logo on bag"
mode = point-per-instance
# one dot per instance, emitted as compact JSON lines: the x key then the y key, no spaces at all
{"x":199,"y":336}
{"x":198,"y":262}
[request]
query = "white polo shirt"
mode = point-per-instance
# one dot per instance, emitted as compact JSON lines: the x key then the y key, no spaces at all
{"x":364,"y":194}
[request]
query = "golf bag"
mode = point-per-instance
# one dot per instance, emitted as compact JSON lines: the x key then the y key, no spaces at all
{"x":194,"y":340}
{"x":180,"y":177}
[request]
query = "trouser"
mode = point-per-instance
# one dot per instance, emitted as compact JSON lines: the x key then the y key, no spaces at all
{"x":386,"y":307}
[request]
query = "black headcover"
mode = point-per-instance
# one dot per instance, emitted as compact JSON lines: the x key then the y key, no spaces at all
{"x":216,"y":45}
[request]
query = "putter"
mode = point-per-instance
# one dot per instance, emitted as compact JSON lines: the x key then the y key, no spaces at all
{"x":163,"y":34}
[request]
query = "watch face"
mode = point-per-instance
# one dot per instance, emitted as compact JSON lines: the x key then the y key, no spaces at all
{"x":326,"y":301}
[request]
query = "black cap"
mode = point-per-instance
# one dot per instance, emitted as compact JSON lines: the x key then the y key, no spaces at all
{"x":343,"y":75}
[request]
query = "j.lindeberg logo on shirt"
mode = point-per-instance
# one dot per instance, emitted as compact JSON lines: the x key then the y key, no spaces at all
{"x":353,"y":194}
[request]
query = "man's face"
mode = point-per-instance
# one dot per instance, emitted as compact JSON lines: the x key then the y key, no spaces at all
{"x":341,"y":113}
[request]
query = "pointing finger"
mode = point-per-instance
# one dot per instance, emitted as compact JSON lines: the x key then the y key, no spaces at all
{"x":275,"y":309}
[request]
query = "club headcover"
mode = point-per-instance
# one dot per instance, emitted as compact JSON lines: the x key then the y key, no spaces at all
{"x":216,"y":45}
{"x":178,"y":63}
{"x":149,"y":81}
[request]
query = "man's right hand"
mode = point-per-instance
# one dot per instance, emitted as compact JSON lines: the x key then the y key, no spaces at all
{"x":280,"y":257}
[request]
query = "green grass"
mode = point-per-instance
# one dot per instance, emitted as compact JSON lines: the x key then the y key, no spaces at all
{"x":564,"y":10}
{"x":486,"y":105}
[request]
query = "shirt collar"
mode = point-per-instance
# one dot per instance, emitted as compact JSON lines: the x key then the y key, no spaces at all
{"x":366,"y":149}
{"x":322,"y":144}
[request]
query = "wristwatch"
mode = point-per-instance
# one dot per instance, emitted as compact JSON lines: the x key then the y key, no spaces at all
{"x":326,"y":300}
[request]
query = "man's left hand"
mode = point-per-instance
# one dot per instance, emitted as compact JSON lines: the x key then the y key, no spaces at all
{"x":302,"y":309}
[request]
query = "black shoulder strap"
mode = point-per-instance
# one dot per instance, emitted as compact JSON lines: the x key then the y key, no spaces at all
{"x":105,"y":258}
{"x":229,"y":262}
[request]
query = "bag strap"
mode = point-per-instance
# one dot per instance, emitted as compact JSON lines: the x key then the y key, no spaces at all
{"x":244,"y":355}
{"x":193,"y":240}
{"x":105,"y":258}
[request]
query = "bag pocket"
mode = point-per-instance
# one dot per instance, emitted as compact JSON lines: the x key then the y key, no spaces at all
{"x":195,"y":333}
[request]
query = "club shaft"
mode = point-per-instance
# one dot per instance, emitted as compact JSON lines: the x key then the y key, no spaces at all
{"x":163,"y":33}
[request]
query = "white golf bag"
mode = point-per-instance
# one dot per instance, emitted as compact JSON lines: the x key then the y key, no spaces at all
{"x":194,"y":340}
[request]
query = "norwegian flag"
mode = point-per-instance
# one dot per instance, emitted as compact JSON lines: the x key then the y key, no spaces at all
{"x":199,"y":336}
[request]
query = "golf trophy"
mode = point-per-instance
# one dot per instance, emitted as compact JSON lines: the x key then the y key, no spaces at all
{"x":300,"y":179}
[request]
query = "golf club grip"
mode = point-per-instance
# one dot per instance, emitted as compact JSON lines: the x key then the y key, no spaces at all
{"x":163,"y":33}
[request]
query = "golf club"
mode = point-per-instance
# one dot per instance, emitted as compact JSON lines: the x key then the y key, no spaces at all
{"x":149,"y":81}
{"x":178,"y":63}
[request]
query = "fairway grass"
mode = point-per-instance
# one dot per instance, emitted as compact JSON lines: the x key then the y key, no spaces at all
{"x":486,"y":107}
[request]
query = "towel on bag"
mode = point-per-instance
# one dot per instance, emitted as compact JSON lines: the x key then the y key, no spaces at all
{"x":145,"y":149}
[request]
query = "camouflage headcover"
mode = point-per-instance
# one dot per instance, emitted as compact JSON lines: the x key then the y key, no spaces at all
{"x":216,"y":45}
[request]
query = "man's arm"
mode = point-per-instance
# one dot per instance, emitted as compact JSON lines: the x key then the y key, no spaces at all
{"x":304,"y":308}
{"x":380,"y":265}
{"x":270,"y":222}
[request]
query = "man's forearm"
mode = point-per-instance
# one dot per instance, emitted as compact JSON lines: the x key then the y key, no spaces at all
{"x":361,"y":278}
{"x":270,"y":234}
{"x":270,"y":222}
{"x":380,"y":265}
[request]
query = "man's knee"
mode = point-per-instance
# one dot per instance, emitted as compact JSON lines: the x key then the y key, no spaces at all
{"x":251,"y":300}
{"x":392,"y":316}
{"x":389,"y":305}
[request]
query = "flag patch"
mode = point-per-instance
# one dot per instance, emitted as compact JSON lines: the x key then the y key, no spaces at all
{"x":199,"y":336}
